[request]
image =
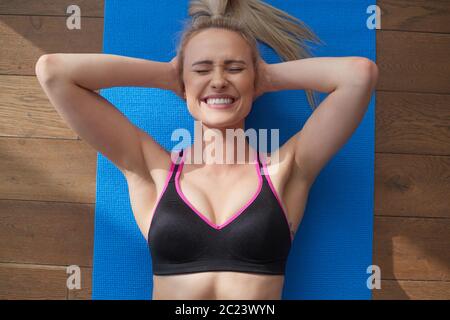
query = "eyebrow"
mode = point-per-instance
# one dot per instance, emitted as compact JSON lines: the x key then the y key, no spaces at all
{"x":226,"y":62}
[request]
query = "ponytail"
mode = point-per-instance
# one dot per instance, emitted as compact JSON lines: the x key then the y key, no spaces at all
{"x":253,"y":20}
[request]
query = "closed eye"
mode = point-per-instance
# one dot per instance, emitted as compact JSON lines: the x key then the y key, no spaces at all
{"x":233,"y":70}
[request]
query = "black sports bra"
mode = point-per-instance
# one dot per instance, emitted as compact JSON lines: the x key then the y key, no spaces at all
{"x":256,"y":239}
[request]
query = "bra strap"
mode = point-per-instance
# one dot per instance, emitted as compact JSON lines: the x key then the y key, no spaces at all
{"x":261,"y":169}
{"x":177,"y":164}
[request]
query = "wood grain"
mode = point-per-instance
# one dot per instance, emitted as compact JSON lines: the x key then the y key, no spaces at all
{"x":415,"y":15}
{"x":47,"y":169}
{"x":22,"y":281}
{"x":412,"y":290}
{"x":412,"y":248}
{"x":53,"y":233}
{"x":413,"y":123}
{"x":25,"y":110}
{"x":412,"y":185}
{"x":414,"y":62}
{"x":88,"y":8}
{"x":29,"y":37}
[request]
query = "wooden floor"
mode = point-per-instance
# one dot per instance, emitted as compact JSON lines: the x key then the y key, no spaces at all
{"x":48,"y":175}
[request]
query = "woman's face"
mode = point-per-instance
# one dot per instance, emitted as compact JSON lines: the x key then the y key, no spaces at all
{"x":218,"y":62}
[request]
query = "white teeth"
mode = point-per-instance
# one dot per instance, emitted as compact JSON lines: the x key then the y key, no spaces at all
{"x":219,"y":101}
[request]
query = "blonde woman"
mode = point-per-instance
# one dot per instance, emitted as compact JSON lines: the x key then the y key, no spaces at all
{"x":217,"y":231}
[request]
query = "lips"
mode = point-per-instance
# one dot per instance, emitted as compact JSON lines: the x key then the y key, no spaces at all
{"x":218,"y":96}
{"x":219,"y":106}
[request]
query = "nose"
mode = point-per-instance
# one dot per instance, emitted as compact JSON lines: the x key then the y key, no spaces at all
{"x":218,"y":79}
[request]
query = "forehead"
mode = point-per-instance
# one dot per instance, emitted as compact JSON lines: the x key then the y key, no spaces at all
{"x":217,"y":45}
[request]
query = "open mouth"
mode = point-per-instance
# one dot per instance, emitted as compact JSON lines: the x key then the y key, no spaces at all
{"x":219,"y":103}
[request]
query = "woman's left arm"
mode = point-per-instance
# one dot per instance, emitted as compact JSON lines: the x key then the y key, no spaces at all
{"x":349,"y":82}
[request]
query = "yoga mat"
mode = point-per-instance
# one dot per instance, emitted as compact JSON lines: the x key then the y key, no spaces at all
{"x":333,"y":245}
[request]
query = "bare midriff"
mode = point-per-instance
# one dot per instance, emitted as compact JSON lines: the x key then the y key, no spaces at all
{"x":218,"y":285}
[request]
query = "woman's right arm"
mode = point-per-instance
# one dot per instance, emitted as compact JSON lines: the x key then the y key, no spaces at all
{"x":70,"y":81}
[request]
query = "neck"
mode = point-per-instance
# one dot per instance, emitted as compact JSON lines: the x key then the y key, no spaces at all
{"x":217,"y":146}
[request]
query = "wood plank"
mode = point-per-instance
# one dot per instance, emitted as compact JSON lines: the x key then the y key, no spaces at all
{"x":412,"y":248}
{"x":412,"y":123}
{"x":29,"y":37}
{"x":412,"y":185}
{"x":46,"y":232}
{"x":25,"y":110}
{"x":85,"y":293}
{"x":32,"y":282}
{"x":47,"y":170}
{"x":407,"y":15}
{"x":415,"y":15}
{"x":412,"y":290}
{"x":414,"y":62}
{"x":89,"y":8}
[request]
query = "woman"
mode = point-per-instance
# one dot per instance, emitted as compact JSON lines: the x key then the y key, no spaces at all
{"x":217,"y":231}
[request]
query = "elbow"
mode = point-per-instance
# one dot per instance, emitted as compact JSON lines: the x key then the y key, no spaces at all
{"x":363,"y":71}
{"x":46,"y":68}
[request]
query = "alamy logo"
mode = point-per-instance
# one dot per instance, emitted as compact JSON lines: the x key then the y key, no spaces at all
{"x":74,"y":280}
{"x":374,"y":281}
{"x":234,"y":140}
{"x":374,"y":20}
{"x":73,"y":21}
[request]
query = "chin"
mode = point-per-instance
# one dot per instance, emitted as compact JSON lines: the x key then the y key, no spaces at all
{"x":219,"y":119}
{"x":220,"y":122}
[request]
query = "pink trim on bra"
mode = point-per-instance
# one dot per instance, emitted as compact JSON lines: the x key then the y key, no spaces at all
{"x":204,"y":218}
{"x":266,"y":173}
{"x":166,"y":183}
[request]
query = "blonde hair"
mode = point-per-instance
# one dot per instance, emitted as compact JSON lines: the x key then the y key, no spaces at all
{"x":253,"y":20}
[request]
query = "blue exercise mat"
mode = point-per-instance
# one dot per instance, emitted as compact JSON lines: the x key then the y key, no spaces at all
{"x":333,"y":245}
